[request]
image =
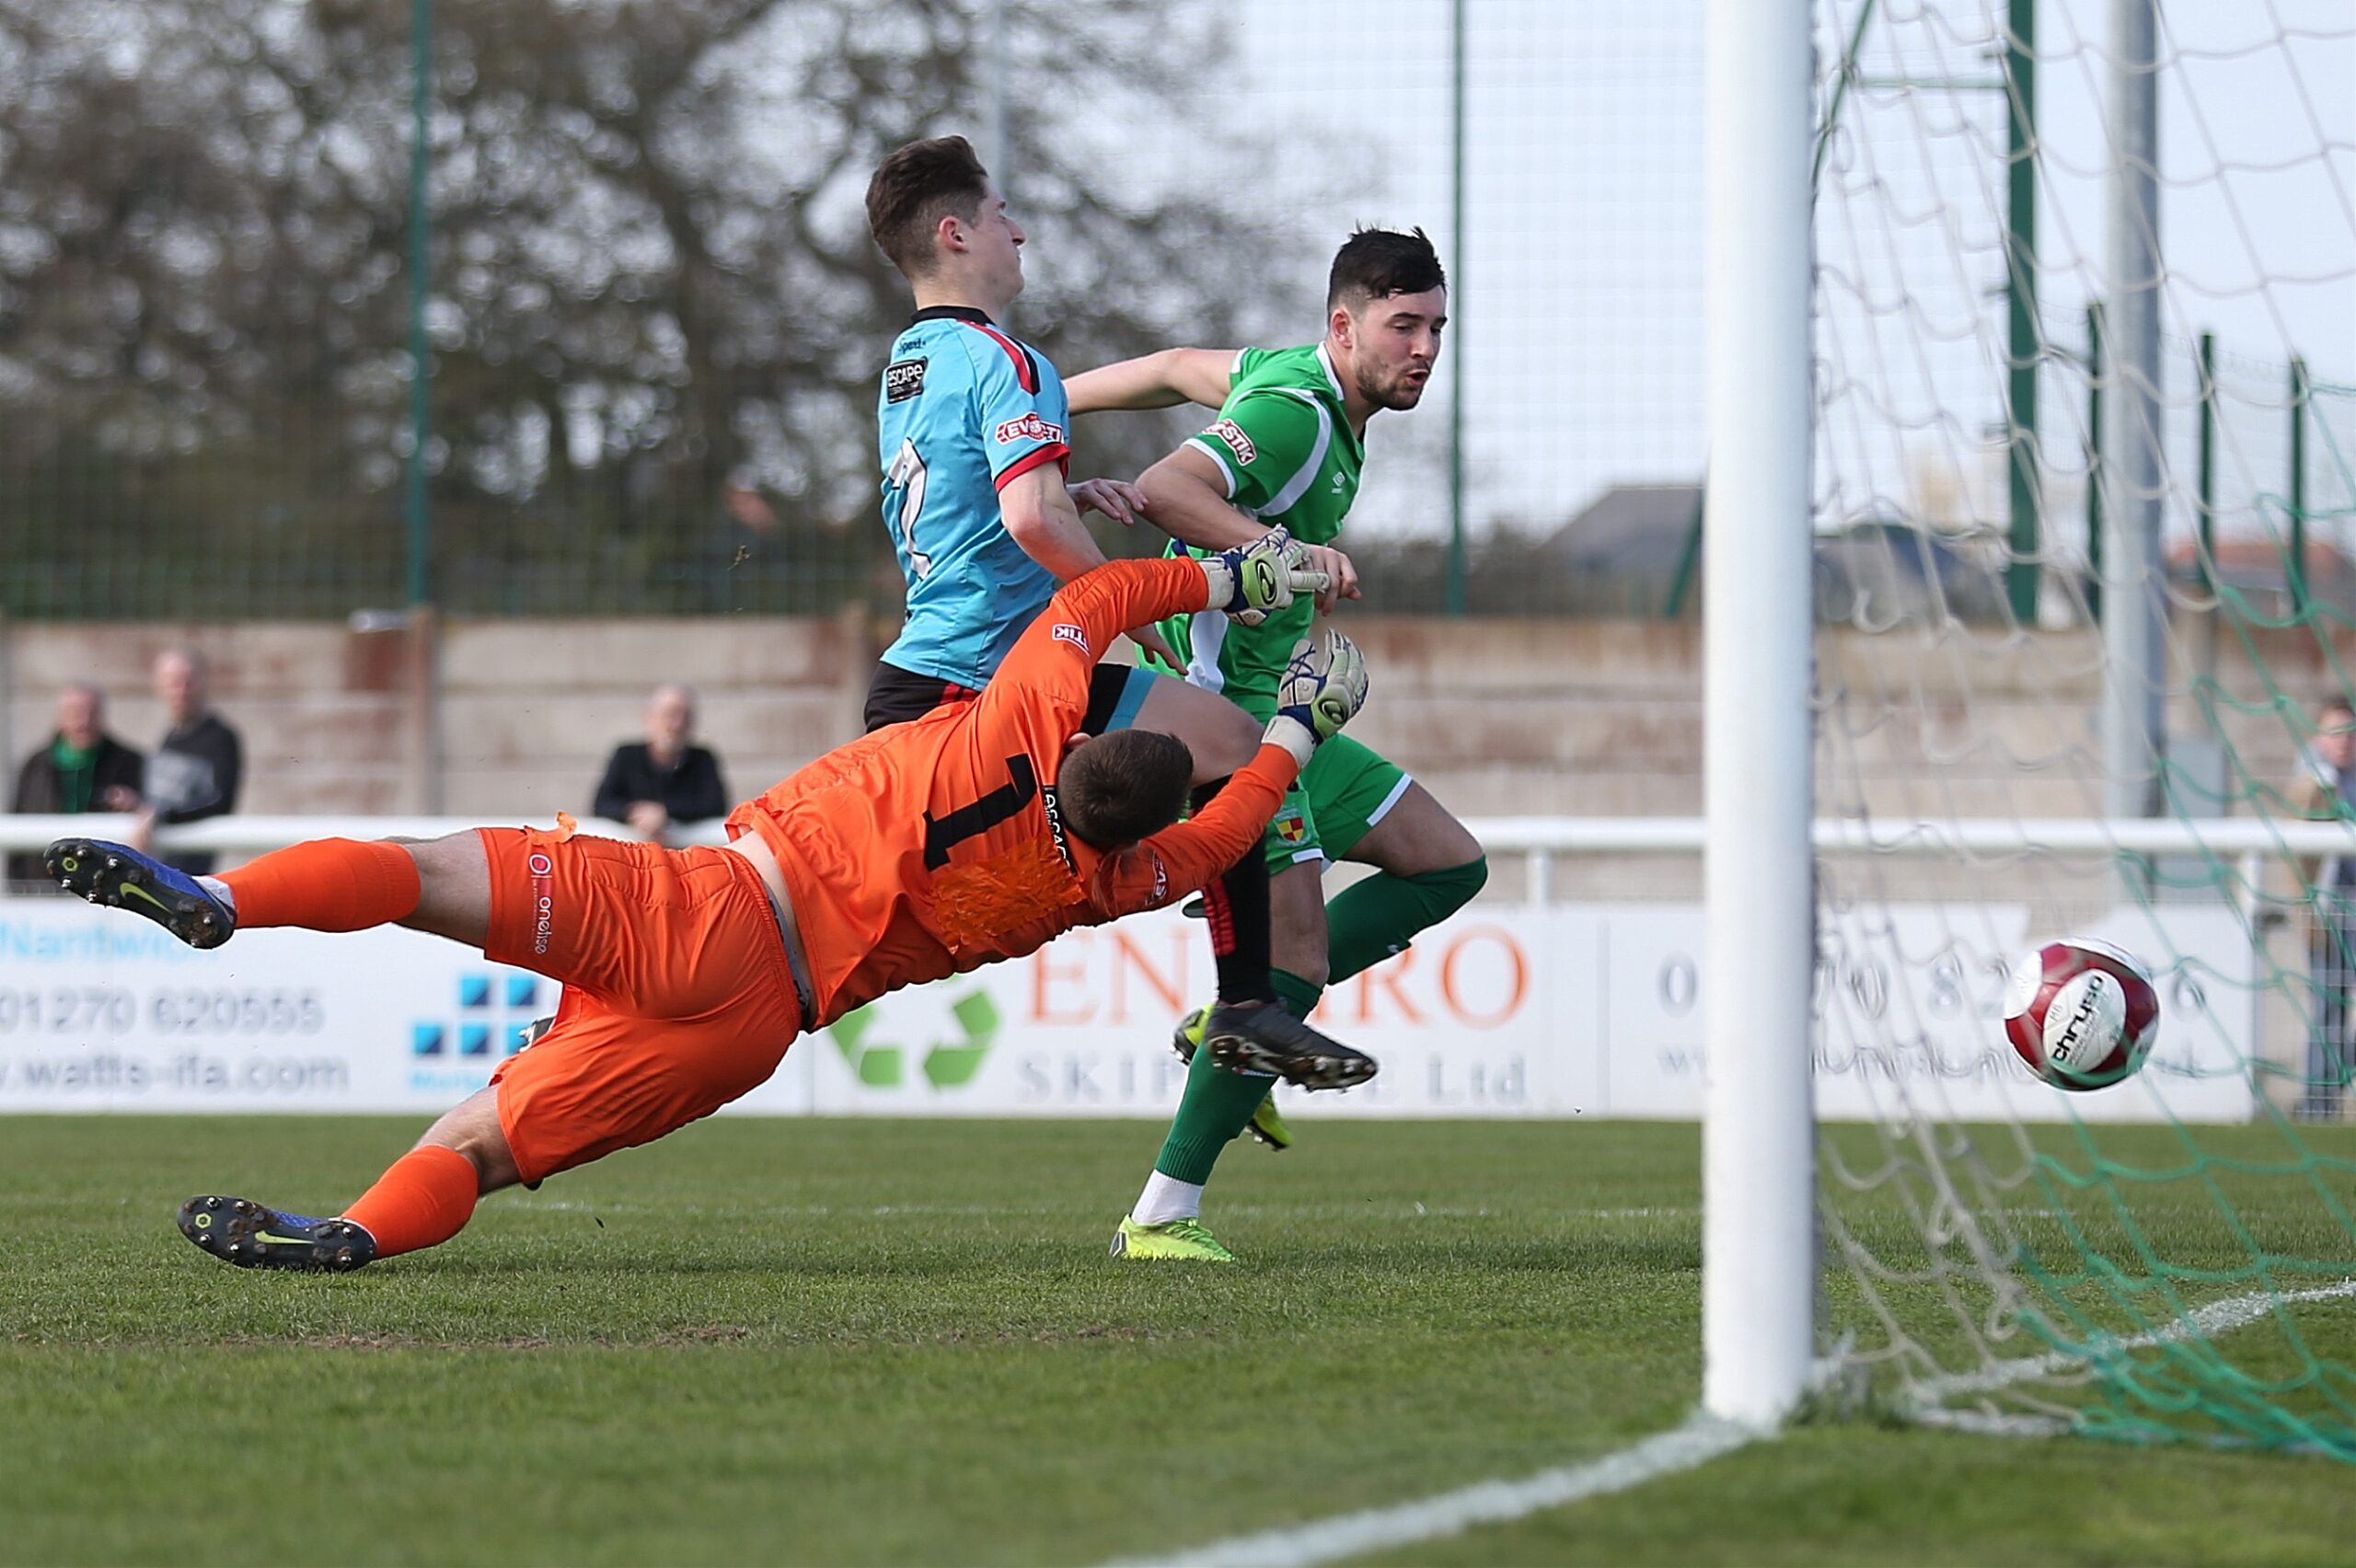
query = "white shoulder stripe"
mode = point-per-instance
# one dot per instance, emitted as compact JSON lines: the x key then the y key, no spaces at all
{"x":1207,"y":445}
{"x":1298,"y":486}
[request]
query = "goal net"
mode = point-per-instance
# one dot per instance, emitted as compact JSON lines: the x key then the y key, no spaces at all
{"x":2084,"y":552}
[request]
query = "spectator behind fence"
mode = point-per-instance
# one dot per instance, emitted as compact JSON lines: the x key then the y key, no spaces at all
{"x":2325,"y":790}
{"x":80,"y":768}
{"x":196,"y":769}
{"x":665,"y":780}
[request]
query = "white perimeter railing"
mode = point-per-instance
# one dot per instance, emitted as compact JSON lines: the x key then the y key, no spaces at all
{"x":2252,"y":841}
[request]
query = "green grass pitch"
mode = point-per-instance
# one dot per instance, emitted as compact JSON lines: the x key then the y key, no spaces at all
{"x":856,"y":1341}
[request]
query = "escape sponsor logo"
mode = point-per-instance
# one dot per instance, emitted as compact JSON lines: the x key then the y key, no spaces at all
{"x":1064,"y":631}
{"x":903,"y":379}
{"x":1231,"y":436}
{"x":1029,"y":427}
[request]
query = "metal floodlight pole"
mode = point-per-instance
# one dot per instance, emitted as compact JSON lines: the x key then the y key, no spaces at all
{"x":2204,"y":372}
{"x":1759,"y":1164}
{"x":415,"y":511}
{"x":2095,"y":476}
{"x":2205,"y":481}
{"x":2133,"y":572}
{"x":1456,"y":566}
{"x":425,"y":668}
{"x":996,"y":156}
{"x":2298,"y":487}
{"x":997,"y":151}
{"x":2023,"y":455}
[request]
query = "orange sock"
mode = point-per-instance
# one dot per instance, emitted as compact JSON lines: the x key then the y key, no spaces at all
{"x":328,"y":884}
{"x":425,"y":1199}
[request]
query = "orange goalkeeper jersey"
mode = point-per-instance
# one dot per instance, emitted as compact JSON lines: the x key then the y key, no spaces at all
{"x":932,"y":848}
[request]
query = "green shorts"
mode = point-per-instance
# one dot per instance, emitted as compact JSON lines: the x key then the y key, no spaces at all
{"x":1345,"y":790}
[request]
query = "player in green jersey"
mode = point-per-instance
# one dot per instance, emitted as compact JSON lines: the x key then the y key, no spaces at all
{"x":1286,"y":451}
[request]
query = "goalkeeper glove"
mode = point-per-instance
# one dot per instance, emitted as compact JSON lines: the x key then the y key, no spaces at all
{"x":1251,"y":580}
{"x":1322,"y":689}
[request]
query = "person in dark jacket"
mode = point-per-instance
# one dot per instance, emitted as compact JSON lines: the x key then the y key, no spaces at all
{"x":665,"y":780}
{"x":81,"y":768}
{"x":200,"y":763}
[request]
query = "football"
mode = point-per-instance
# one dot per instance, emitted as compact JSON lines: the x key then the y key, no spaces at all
{"x":2082,"y":1014}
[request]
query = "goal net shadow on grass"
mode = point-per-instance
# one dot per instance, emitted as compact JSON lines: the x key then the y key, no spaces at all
{"x":2172,"y":1259}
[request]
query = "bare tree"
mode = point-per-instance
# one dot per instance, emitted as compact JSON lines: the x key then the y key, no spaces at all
{"x":650,"y":279}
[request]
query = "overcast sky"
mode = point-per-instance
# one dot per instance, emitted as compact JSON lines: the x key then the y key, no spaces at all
{"x":1580,"y":292}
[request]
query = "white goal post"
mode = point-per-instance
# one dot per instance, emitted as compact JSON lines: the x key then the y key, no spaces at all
{"x":1757,"y":618}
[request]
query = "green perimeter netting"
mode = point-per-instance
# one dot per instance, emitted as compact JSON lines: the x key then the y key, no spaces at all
{"x":2174,"y":1258}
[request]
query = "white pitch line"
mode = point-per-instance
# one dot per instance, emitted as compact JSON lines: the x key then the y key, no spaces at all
{"x":2216,"y":1317}
{"x":1697,"y":1442}
{"x":1490,"y":1502}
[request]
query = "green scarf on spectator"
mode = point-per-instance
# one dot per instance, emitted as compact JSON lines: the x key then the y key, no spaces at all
{"x":77,"y":774}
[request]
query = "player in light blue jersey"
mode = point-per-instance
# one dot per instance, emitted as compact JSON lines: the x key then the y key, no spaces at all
{"x":965,"y":411}
{"x":972,"y":448}
{"x":973,"y":456}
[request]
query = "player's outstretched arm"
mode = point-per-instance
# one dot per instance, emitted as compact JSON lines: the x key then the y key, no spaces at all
{"x":1040,"y":516}
{"x":1161,"y":380}
{"x":1053,"y":660}
{"x":1185,"y":497}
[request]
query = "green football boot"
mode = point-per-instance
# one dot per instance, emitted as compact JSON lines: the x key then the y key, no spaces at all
{"x":1184,"y":1240}
{"x":1268,"y":1124}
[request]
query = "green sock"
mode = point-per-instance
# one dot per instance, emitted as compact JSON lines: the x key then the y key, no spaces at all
{"x":1218,"y":1104}
{"x":1369,"y":920}
{"x":1298,"y":996}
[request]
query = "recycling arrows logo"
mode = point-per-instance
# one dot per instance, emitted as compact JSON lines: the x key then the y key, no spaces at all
{"x":946,"y":1064}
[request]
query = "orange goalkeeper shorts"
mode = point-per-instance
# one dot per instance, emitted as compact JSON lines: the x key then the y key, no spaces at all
{"x":678,"y":996}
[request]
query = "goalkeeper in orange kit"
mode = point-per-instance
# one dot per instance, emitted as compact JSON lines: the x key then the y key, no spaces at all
{"x":925,"y":849}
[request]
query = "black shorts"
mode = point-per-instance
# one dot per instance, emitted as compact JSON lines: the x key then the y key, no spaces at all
{"x":896,"y":696}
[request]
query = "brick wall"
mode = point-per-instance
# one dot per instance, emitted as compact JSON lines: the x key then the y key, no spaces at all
{"x":1498,"y":717}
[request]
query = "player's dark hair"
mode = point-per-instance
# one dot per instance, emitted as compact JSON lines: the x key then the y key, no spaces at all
{"x":916,"y":187}
{"x":2340,"y":704}
{"x":1377,"y":263}
{"x":1124,"y":787}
